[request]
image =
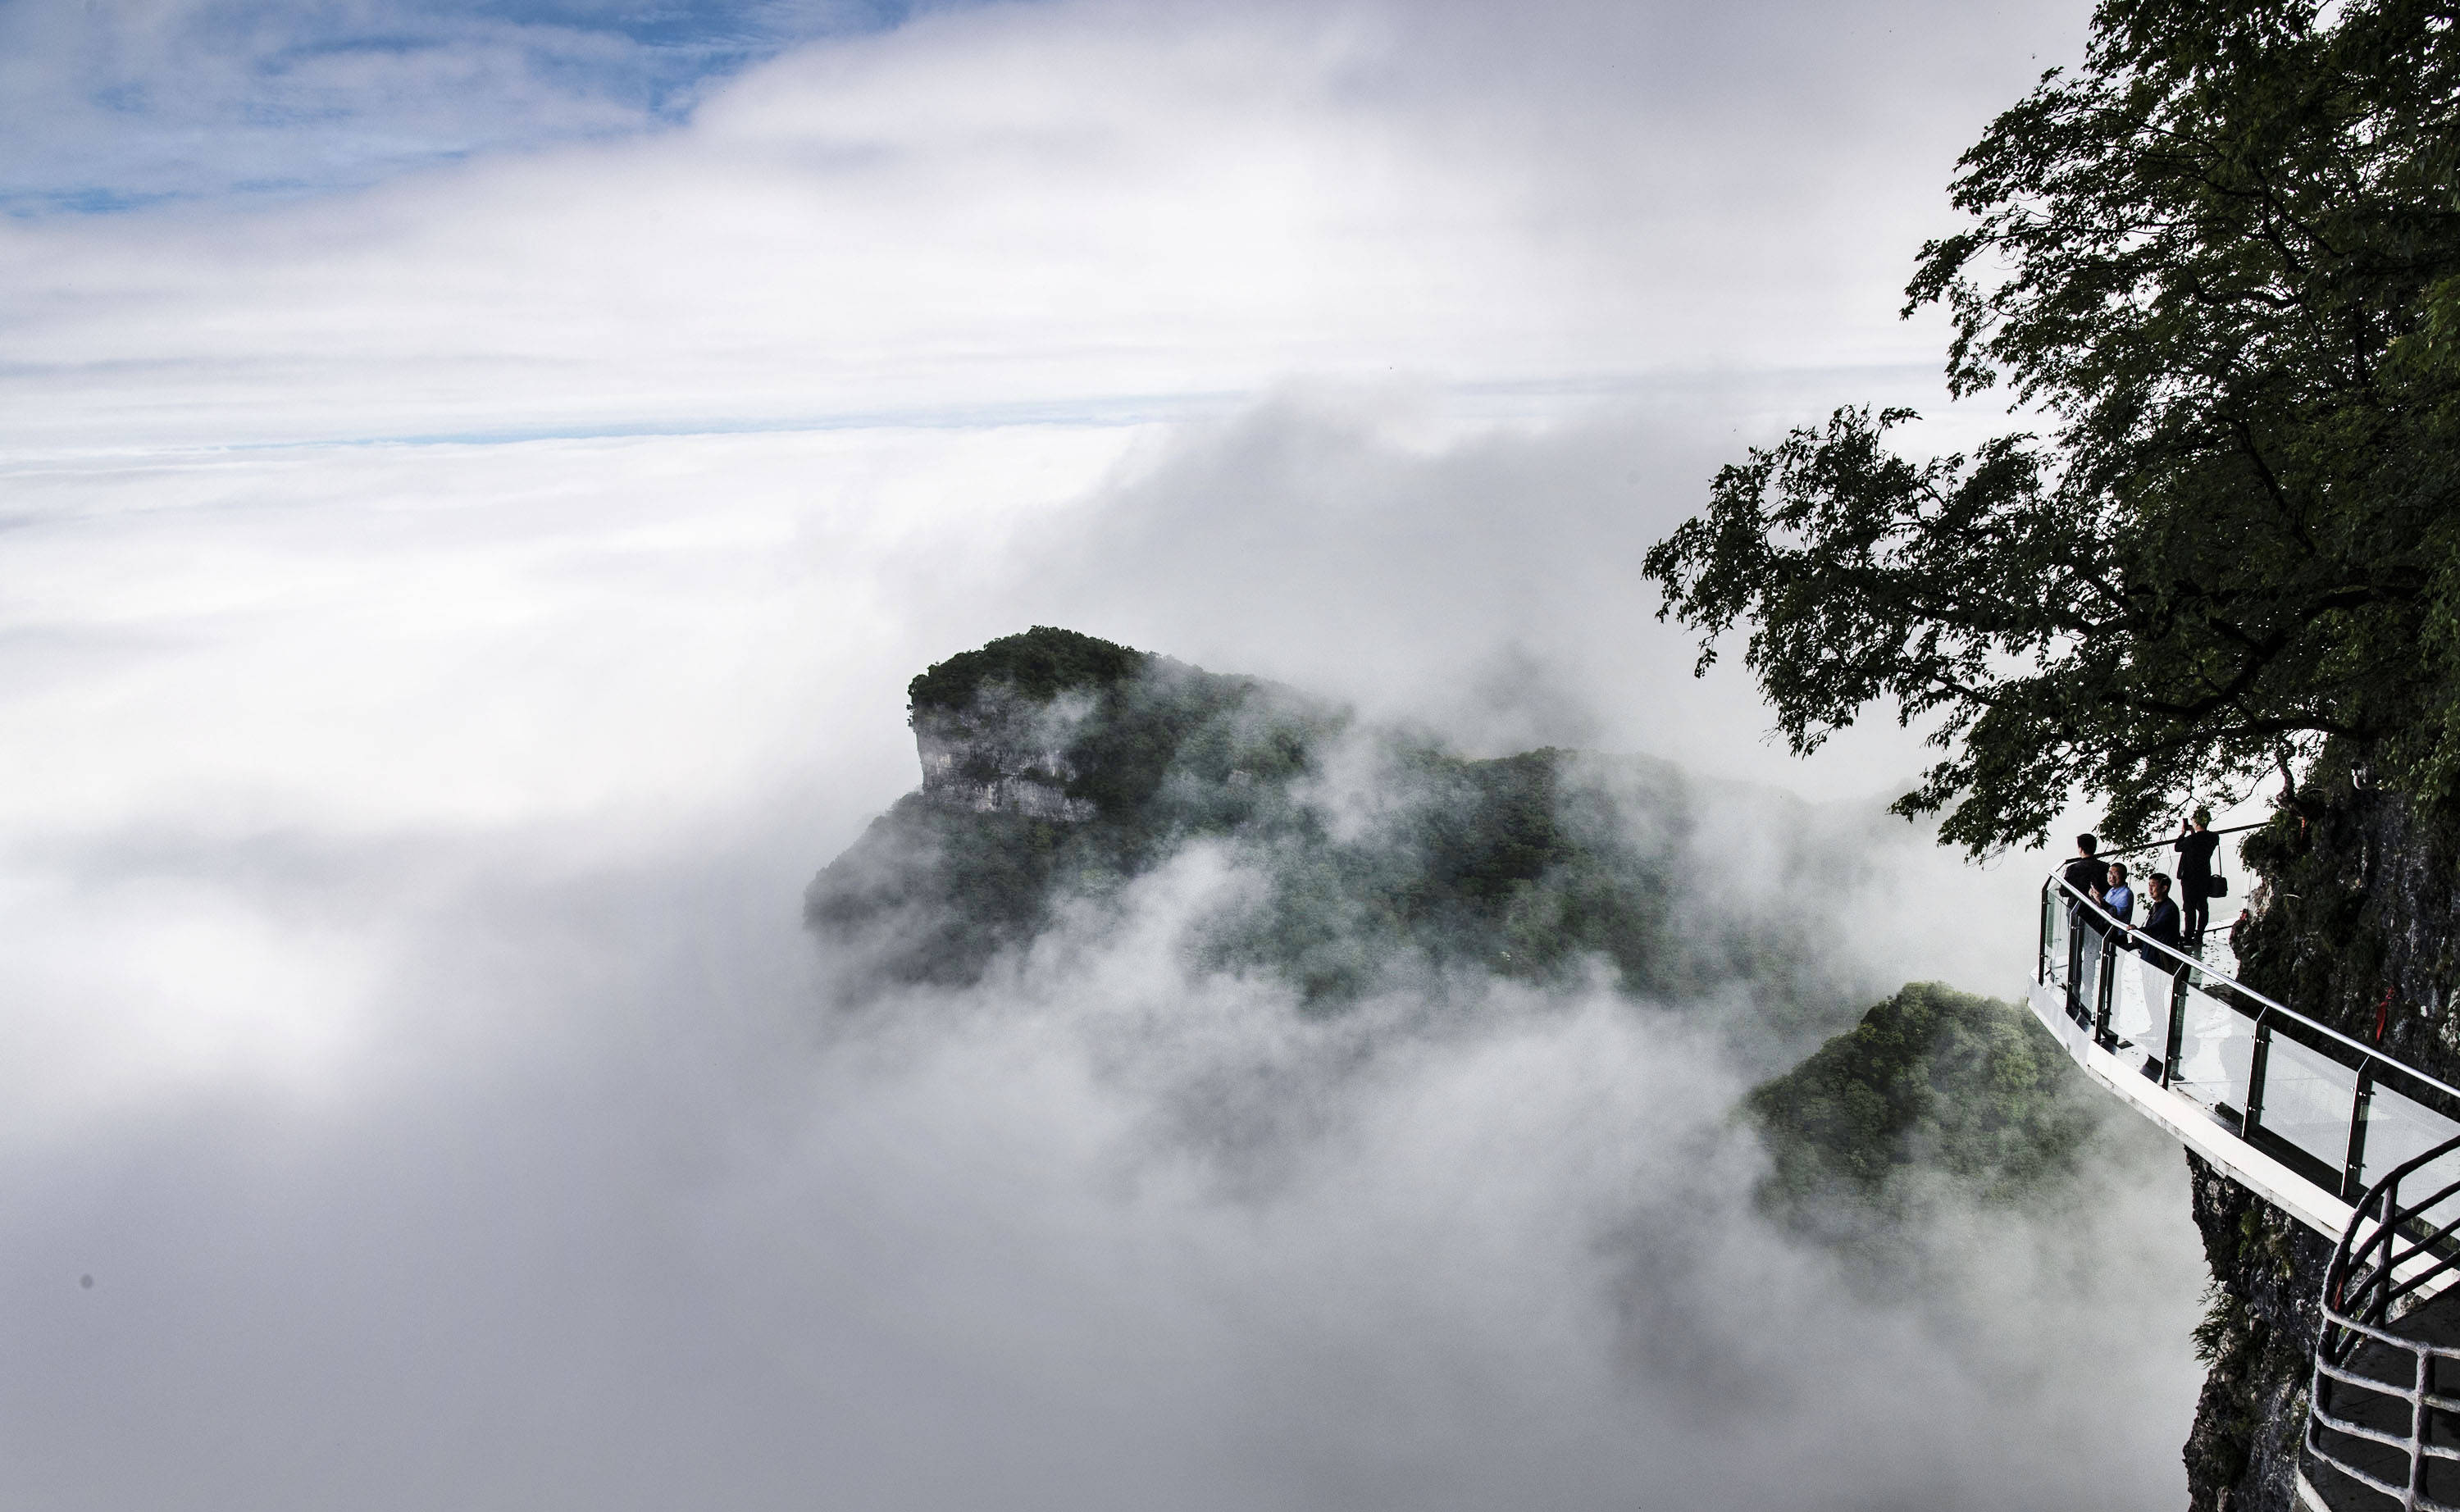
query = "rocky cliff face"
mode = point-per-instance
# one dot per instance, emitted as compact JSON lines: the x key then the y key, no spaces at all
{"x":1006,"y":754}
{"x":2259,"y":1340}
{"x":2356,"y":921}
{"x":2360,"y":924}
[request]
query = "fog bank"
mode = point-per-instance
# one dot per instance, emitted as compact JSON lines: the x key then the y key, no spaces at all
{"x":417,"y":1046}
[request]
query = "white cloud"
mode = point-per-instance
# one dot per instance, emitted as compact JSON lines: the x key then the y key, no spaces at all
{"x":1088,"y":204}
{"x":418,"y":1045}
{"x":598,"y":1228}
{"x":410,"y":1028}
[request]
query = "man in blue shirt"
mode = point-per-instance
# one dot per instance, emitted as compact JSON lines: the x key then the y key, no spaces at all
{"x":2118,"y":900}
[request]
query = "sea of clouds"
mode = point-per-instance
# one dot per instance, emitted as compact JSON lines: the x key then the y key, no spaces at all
{"x":444,"y":626}
{"x":414,"y":1040}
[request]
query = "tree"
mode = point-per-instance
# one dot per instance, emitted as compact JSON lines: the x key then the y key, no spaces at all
{"x":2222,"y":265}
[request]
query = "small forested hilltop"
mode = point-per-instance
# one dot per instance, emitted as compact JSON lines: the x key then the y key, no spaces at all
{"x":1037,"y":663}
{"x":1932,"y":1083}
{"x":1060,"y":769}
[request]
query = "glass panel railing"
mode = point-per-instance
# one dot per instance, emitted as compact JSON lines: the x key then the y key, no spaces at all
{"x":2088,"y":957}
{"x":2217,"y":952}
{"x":2400,"y":1128}
{"x":2216,"y":1051}
{"x":2139,"y":1009}
{"x":2054,"y":938}
{"x":2308,"y":1100}
{"x":2150,"y":1002}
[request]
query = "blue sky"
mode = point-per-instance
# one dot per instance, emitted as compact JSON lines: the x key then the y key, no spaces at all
{"x":363,"y":221}
{"x":108,"y":105}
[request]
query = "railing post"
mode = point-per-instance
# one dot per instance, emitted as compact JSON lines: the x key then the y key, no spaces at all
{"x":2351,"y":1188}
{"x":2417,"y":1434}
{"x":2386,"y":1234}
{"x":2177,"y":1026}
{"x":2103,"y":978}
{"x":2254,"y":1075}
{"x":2075,"y":962}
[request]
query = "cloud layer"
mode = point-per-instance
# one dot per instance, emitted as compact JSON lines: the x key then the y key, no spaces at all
{"x":1085,"y":210}
{"x":443,"y":625}
{"x":416,"y":1045}
{"x":594,"y":1218}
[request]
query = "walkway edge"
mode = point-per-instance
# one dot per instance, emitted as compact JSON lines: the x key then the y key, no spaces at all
{"x":2192,"y":1126}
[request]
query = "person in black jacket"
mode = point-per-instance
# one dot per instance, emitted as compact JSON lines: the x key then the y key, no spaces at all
{"x":2088,"y":873}
{"x":2194,"y":845}
{"x":2161,"y":922}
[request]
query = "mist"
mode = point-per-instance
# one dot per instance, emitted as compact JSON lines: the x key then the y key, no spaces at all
{"x":606,"y":1221}
{"x":450,"y":607}
{"x":454,"y":1110}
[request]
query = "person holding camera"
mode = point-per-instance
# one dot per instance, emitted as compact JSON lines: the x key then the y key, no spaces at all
{"x":2194,"y":845}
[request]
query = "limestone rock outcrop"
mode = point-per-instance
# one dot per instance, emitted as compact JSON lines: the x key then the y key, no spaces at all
{"x":1004,"y":753}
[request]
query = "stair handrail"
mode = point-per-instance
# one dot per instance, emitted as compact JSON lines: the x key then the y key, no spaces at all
{"x":2393,"y":1250}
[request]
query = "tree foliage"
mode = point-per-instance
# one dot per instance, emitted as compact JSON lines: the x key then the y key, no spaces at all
{"x":1038,"y":663}
{"x":1931,"y":1080}
{"x":2221,"y":267}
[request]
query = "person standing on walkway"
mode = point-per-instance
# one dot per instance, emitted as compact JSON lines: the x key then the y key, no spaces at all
{"x":2118,"y":900}
{"x":2194,"y":845}
{"x":2088,"y":874}
{"x":2160,"y":921}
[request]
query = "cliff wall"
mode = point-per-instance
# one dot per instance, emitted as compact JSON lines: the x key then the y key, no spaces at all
{"x":2257,"y":1339}
{"x":2355,"y":919}
{"x":1003,"y":754}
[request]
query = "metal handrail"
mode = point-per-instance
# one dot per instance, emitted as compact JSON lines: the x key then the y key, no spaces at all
{"x":2171,"y":842}
{"x":2380,"y":1252}
{"x":2138,"y":941}
{"x":2380,"y":1393}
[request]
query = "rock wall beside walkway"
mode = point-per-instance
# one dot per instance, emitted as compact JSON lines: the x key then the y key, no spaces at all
{"x":2354,"y":920}
{"x":2258,"y":1338}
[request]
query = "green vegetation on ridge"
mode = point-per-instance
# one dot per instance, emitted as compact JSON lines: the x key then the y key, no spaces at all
{"x":1039,"y":663}
{"x":1531,"y":867}
{"x":1932,"y":1081}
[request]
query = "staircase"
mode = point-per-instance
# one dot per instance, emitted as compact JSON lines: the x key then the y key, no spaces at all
{"x":2383,"y":1424}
